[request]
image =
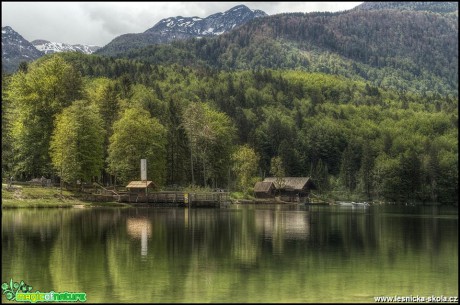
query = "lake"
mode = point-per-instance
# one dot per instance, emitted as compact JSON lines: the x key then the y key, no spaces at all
{"x":242,"y":253}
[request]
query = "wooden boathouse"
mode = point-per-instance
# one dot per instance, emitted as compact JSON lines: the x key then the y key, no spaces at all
{"x":289,"y":189}
{"x":264,"y":189}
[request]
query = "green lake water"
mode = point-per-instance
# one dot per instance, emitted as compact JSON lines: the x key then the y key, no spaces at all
{"x":243,"y":253}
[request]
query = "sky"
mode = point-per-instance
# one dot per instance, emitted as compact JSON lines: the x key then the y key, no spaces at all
{"x":98,"y":23}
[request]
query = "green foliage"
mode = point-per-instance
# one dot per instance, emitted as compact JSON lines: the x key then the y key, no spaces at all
{"x":211,"y":134}
{"x":77,"y":144}
{"x":437,"y":7}
{"x":7,"y":148}
{"x":350,"y":165}
{"x":365,"y":179}
{"x":353,"y":138}
{"x":277,"y":170}
{"x":37,"y":97}
{"x":245,"y":165}
{"x":404,"y":50}
{"x":136,"y":135}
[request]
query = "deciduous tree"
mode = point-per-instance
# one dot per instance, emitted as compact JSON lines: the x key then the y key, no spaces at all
{"x":77,"y":143}
{"x":136,"y":135}
{"x":38,"y":96}
{"x":245,"y":166}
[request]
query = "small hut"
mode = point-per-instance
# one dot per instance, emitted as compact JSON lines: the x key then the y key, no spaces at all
{"x":264,"y":190}
{"x":140,"y":187}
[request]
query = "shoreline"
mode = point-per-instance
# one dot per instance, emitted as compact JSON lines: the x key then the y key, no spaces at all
{"x":19,"y":196}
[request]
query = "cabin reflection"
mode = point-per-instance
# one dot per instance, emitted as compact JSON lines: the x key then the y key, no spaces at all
{"x":140,"y":228}
{"x":288,"y":225}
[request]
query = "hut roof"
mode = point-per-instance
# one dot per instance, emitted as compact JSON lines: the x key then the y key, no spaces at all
{"x":295,"y":183}
{"x":140,"y":184}
{"x":263,"y":186}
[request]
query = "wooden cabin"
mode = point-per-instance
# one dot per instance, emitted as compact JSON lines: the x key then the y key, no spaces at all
{"x":264,"y":190}
{"x":291,"y":188}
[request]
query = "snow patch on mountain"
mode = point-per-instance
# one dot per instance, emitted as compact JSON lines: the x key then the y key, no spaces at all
{"x":49,"y":47}
{"x":212,"y":25}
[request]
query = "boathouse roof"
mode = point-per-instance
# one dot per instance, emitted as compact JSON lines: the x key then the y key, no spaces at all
{"x":263,"y":186}
{"x":294,"y":183}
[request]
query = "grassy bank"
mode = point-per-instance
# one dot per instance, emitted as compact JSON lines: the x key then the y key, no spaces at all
{"x":40,"y":197}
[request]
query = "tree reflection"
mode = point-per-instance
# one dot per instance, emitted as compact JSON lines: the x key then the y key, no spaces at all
{"x":239,"y":254}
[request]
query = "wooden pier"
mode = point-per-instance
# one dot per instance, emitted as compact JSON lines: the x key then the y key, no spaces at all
{"x":183,"y":199}
{"x":177,"y":199}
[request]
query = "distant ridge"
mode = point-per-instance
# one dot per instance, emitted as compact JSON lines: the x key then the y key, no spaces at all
{"x":48,"y":47}
{"x":16,"y":49}
{"x":434,"y":7}
{"x":181,"y":28}
{"x":392,"y":48}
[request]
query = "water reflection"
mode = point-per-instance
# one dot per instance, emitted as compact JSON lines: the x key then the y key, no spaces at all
{"x":139,"y":228}
{"x":240,"y":254}
{"x":288,"y":225}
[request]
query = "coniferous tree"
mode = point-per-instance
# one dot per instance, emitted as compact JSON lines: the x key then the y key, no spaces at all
{"x":365,"y":171}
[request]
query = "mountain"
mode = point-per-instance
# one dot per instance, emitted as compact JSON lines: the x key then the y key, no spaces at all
{"x":407,"y":46}
{"x":187,"y":27}
{"x":48,"y":47}
{"x":434,"y":7}
{"x":398,"y":49}
{"x":16,"y":49}
{"x":181,"y":28}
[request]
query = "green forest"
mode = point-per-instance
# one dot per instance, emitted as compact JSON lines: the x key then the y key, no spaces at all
{"x":400,"y":50}
{"x":92,"y":118}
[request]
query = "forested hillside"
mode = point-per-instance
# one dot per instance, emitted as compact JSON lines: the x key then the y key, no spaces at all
{"x":91,"y":118}
{"x":404,"y":50}
{"x":432,"y":7}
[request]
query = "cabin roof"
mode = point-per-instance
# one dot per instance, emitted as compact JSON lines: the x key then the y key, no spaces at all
{"x":140,"y":184}
{"x":263,"y":186}
{"x":295,"y":183}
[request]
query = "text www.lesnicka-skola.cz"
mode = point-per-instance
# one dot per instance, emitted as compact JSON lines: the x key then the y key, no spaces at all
{"x":416,"y":299}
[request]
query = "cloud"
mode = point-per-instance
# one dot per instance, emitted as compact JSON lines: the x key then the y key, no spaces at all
{"x":54,"y":21}
{"x":98,"y":23}
{"x":272,"y":8}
